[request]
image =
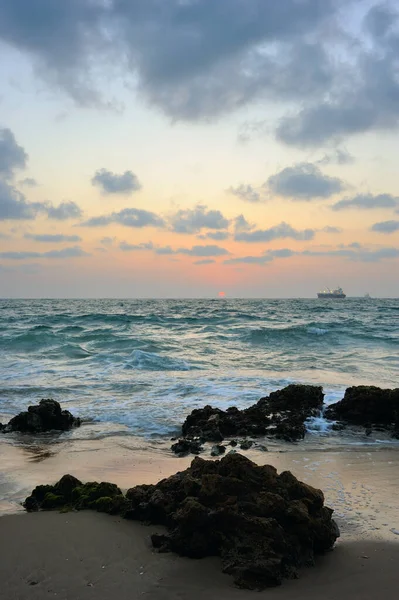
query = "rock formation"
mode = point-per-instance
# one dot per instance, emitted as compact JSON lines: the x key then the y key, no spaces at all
{"x":263,"y":525}
{"x":45,"y":416}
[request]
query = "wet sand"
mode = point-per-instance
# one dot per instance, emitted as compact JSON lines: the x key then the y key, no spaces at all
{"x":360,"y":484}
{"x":79,"y":556}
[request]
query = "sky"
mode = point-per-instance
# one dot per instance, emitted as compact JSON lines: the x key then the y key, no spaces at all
{"x":180,"y":148}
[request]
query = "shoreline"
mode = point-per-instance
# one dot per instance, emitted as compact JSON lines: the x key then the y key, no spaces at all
{"x":360,"y":483}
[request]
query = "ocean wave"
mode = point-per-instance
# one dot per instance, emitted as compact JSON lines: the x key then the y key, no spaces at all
{"x":152,"y":361}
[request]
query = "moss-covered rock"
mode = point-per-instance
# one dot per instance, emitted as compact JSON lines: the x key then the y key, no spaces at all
{"x":69,"y":492}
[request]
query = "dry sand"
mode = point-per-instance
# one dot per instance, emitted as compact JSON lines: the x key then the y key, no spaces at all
{"x":79,"y":556}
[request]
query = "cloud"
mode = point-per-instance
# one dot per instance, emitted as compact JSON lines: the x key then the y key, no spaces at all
{"x":202,"y":59}
{"x":368,"y":201}
{"x":192,"y":59}
{"x":129,"y":217}
{"x":52,"y":238}
{"x":353,"y":252}
{"x":206,"y":250}
{"x":125,"y":247}
{"x":281,"y":231}
{"x":73,"y":252}
{"x":218,"y":236}
{"x":29,"y":182}
{"x":209,"y":250}
{"x":193,"y":220}
{"x":12,"y":156}
{"x":111,"y":183}
{"x":14,"y":206}
{"x":64,"y":211}
{"x":107,"y":241}
{"x":263,"y":259}
{"x":337,"y":157}
{"x":241,"y":224}
{"x":304,"y":181}
{"x":206,"y":261}
{"x":246,"y":192}
{"x":330,"y":229}
{"x":386,"y":227}
{"x":366,"y":93}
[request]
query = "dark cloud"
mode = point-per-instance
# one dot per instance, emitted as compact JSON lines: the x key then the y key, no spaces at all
{"x":55,"y":238}
{"x":12,"y":156}
{"x":366,"y":94}
{"x":246,"y":192}
{"x":29,"y":182}
{"x":281,"y":231}
{"x":201,"y":59}
{"x":129,"y":217}
{"x":304,"y":181}
{"x":112,"y":183}
{"x":193,"y":59}
{"x":74,"y":252}
{"x":64,"y":211}
{"x":368,"y":201}
{"x":194,"y":220}
{"x":206,"y":261}
{"x":217,"y":236}
{"x":386,"y":227}
{"x":14,"y":206}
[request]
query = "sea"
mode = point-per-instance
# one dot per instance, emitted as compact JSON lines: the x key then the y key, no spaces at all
{"x":138,"y":367}
{"x":133,"y":369}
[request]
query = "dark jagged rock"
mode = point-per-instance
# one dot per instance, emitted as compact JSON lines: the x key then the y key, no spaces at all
{"x":45,"y":416}
{"x":367,"y":406}
{"x":187,"y":446}
{"x":217,"y":450}
{"x":264,"y":526}
{"x":71,"y":493}
{"x":282,"y":415}
{"x":246,"y":444}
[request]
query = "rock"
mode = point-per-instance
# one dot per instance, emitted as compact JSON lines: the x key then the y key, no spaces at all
{"x":217,"y":450}
{"x":233,"y":443}
{"x":46,"y":416}
{"x":187,"y":446}
{"x":71,"y":493}
{"x":264,"y":526}
{"x":246,"y":444}
{"x":367,"y":406}
{"x":281,"y":415}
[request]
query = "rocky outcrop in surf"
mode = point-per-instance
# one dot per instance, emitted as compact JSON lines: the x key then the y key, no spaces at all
{"x":263,"y":525}
{"x":45,"y":416}
{"x":367,"y":406}
{"x":281,"y":415}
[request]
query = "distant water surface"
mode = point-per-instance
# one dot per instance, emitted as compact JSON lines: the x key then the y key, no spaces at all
{"x":139,"y":366}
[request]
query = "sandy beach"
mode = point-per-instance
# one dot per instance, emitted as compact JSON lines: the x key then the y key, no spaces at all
{"x":86,"y":555}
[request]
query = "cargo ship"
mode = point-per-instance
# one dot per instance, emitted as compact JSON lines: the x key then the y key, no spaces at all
{"x":327,"y":293}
